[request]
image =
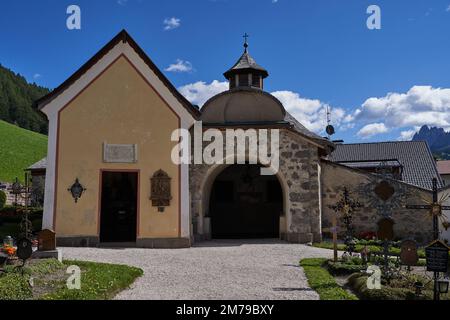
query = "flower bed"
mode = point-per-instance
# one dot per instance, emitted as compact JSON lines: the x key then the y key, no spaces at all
{"x":398,"y":289}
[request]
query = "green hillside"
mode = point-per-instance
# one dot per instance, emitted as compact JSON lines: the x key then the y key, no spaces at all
{"x":16,"y":101}
{"x":19,"y":148}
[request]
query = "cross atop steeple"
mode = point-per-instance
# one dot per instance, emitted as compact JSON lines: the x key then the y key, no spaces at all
{"x":246,"y":36}
{"x":246,"y":72}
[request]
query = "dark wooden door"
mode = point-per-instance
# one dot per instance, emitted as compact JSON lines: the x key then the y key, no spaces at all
{"x":118,"y":219}
{"x":245,"y":214}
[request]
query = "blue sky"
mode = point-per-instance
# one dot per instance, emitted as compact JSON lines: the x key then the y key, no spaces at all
{"x":381,"y":84}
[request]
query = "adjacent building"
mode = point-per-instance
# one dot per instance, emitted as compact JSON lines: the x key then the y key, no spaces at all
{"x":443,"y":167}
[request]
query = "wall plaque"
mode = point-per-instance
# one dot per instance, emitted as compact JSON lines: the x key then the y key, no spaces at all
{"x":119,"y":153}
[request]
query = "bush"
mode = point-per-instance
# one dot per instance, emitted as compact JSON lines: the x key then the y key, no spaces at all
{"x":2,"y":199}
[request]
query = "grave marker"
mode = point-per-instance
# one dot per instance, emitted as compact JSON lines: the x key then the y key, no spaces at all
{"x":47,"y":240}
{"x":437,"y":256}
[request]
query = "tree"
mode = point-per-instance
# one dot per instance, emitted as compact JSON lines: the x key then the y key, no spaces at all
{"x":16,"y":101}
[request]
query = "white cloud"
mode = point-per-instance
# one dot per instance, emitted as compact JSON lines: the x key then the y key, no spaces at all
{"x":310,"y":112}
{"x":406,"y":112}
{"x":180,"y":66}
{"x":171,"y":23}
{"x":421,"y":105}
{"x":122,"y":2}
{"x":407,"y":135}
{"x":199,"y":92}
{"x":37,"y":76}
{"x":372,"y":130}
{"x":448,"y":8}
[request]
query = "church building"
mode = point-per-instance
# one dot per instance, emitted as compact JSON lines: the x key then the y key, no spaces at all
{"x":110,"y":178}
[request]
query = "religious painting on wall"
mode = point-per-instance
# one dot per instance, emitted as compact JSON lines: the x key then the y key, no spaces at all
{"x":160,"y":190}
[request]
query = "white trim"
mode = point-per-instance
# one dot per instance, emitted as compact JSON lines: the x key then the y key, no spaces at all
{"x":49,"y":195}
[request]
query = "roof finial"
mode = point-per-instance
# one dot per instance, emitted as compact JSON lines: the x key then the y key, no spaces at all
{"x":246,"y":36}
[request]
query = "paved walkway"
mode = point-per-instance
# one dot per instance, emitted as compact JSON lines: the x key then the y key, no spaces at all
{"x":227,"y":269}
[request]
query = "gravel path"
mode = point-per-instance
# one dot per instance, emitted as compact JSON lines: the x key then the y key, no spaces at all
{"x":227,"y":269}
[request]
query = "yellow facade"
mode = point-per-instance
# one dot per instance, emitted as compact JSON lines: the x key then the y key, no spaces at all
{"x":119,"y":107}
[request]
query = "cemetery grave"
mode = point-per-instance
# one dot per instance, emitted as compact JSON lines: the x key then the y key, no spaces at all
{"x":384,"y":269}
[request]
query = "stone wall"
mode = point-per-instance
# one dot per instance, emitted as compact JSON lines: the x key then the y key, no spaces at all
{"x":299,"y":178}
{"x":409,"y":224}
{"x":299,"y":165}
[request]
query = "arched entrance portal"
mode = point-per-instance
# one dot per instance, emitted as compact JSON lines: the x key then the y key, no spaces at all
{"x":245,"y":204}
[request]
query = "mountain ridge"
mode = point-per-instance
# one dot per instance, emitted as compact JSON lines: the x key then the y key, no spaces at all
{"x":438,"y":140}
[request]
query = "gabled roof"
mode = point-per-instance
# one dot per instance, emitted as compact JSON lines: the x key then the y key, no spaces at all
{"x":40,"y":165}
{"x":246,"y":63}
{"x":125,"y":38}
{"x":419,"y":166}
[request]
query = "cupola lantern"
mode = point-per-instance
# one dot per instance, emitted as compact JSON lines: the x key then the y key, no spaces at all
{"x":246,"y":72}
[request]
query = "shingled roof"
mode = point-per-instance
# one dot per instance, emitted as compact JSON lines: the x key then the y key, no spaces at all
{"x":40,"y":165}
{"x":419,"y":166}
{"x":246,"y":62}
{"x":301,"y":129}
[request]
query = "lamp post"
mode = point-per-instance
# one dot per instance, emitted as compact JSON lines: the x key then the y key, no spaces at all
{"x":443,"y":286}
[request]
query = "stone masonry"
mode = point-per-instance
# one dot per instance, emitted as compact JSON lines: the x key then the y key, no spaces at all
{"x":299,"y":177}
{"x":409,"y":224}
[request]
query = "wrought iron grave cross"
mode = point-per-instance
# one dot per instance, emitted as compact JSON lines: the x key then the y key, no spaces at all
{"x":435,"y":209}
{"x":346,"y":206}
